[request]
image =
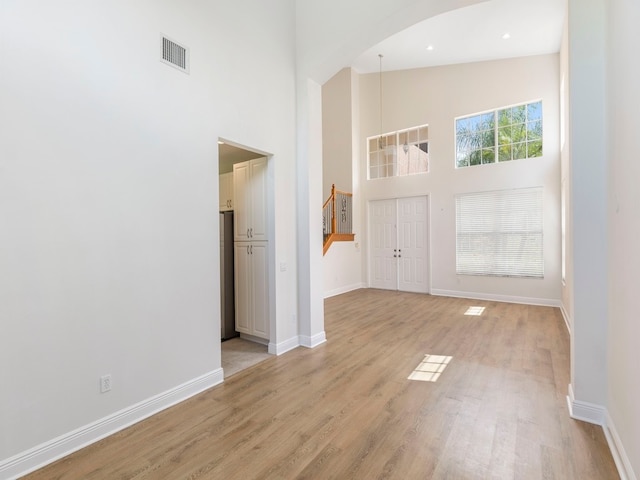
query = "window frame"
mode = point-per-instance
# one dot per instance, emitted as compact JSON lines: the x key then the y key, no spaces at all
{"x":492,"y":147}
{"x":387,"y":159}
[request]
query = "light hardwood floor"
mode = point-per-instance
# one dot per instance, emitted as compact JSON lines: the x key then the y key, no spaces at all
{"x":345,"y":410}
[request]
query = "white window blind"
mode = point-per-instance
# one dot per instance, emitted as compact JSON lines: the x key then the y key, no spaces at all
{"x":500,"y":233}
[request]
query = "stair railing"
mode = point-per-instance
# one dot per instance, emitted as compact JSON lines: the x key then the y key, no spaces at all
{"x":337,"y":217}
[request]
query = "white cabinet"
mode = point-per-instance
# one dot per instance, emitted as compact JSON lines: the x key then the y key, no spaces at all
{"x":226,"y":191}
{"x":252,"y":289}
{"x":251,"y":247}
{"x":250,"y":200}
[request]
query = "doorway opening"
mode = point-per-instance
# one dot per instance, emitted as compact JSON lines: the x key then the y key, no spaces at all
{"x":244,"y":255}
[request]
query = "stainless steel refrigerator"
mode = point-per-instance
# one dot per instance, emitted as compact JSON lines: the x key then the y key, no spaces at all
{"x":227,"y":300}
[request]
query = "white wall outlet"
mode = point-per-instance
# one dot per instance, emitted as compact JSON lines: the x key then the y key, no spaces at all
{"x":105,"y":383}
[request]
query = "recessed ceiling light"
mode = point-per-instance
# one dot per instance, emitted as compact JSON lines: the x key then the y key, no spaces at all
{"x":506,"y":36}
{"x":220,"y":142}
{"x":430,"y":47}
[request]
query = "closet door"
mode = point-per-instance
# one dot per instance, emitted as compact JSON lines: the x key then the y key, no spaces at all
{"x":243,"y":286}
{"x":383,"y":264}
{"x":260,"y":288}
{"x":241,"y":201}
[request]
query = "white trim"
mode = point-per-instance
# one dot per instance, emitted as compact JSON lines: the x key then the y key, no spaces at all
{"x":254,"y":339}
{"x":567,"y":319}
{"x":312,"y":342}
{"x":585,"y":411}
{"x":545,"y":302}
{"x":620,"y":457}
{"x":59,"y":447}
{"x":345,"y":289}
{"x":284,"y":347}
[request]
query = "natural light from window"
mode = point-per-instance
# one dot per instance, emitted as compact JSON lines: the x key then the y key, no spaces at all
{"x":430,"y":368}
{"x":476,"y":311}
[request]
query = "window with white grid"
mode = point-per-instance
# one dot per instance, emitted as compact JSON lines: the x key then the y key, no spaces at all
{"x":405,"y":152}
{"x":502,"y":135}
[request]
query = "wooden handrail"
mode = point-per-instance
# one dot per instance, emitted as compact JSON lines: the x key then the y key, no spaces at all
{"x":330,"y":230}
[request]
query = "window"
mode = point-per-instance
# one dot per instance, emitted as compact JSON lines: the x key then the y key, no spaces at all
{"x":500,"y":233}
{"x":399,"y":153}
{"x":502,"y":135}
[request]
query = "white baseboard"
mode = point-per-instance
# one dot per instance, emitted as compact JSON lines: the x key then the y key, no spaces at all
{"x":345,"y":289}
{"x":625,"y":470}
{"x":314,"y":341}
{"x":284,"y":347}
{"x":63,"y":445}
{"x":567,"y":318}
{"x":545,"y":302}
{"x":588,"y":412}
{"x":585,"y":411}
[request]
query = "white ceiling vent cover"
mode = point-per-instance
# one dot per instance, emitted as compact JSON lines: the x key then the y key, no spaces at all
{"x":175,"y":54}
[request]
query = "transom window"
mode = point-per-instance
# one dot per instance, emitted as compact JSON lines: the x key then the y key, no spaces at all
{"x":405,"y":152}
{"x":510,"y":133}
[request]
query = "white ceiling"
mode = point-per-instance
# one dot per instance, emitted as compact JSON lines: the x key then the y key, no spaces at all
{"x":472,"y":34}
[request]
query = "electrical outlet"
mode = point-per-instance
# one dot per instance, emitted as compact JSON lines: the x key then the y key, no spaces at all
{"x":105,"y":383}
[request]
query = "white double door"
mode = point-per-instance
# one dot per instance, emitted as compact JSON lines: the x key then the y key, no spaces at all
{"x":398,"y":246}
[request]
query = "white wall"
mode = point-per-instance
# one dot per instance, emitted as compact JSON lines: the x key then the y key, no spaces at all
{"x":337,"y":121}
{"x":340,"y":166}
{"x":435,"y":96}
{"x":108,"y":198}
{"x":588,"y":176}
{"x":623,"y":396}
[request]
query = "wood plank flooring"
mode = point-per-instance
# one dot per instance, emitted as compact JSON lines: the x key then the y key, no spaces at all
{"x":345,"y":410}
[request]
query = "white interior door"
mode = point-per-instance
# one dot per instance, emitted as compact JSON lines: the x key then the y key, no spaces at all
{"x":412,"y":245}
{"x":382,"y":221}
{"x":398,"y":246}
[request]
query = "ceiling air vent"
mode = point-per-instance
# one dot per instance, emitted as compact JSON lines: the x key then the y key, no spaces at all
{"x":175,"y":54}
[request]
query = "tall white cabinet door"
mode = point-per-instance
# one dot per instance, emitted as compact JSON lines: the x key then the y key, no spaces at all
{"x":412,"y":245}
{"x":384,"y":270}
{"x":250,"y":200}
{"x":252,"y":288}
{"x":243,"y":287}
{"x":226,"y":191}
{"x":250,"y":235}
{"x":258,"y":198}
{"x":258,"y":254}
{"x":241,"y":201}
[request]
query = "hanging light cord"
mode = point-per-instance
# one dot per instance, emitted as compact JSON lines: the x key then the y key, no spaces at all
{"x":380,"y":84}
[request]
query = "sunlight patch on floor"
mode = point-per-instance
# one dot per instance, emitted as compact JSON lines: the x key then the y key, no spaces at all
{"x":477,"y":311}
{"x":430,"y":368}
